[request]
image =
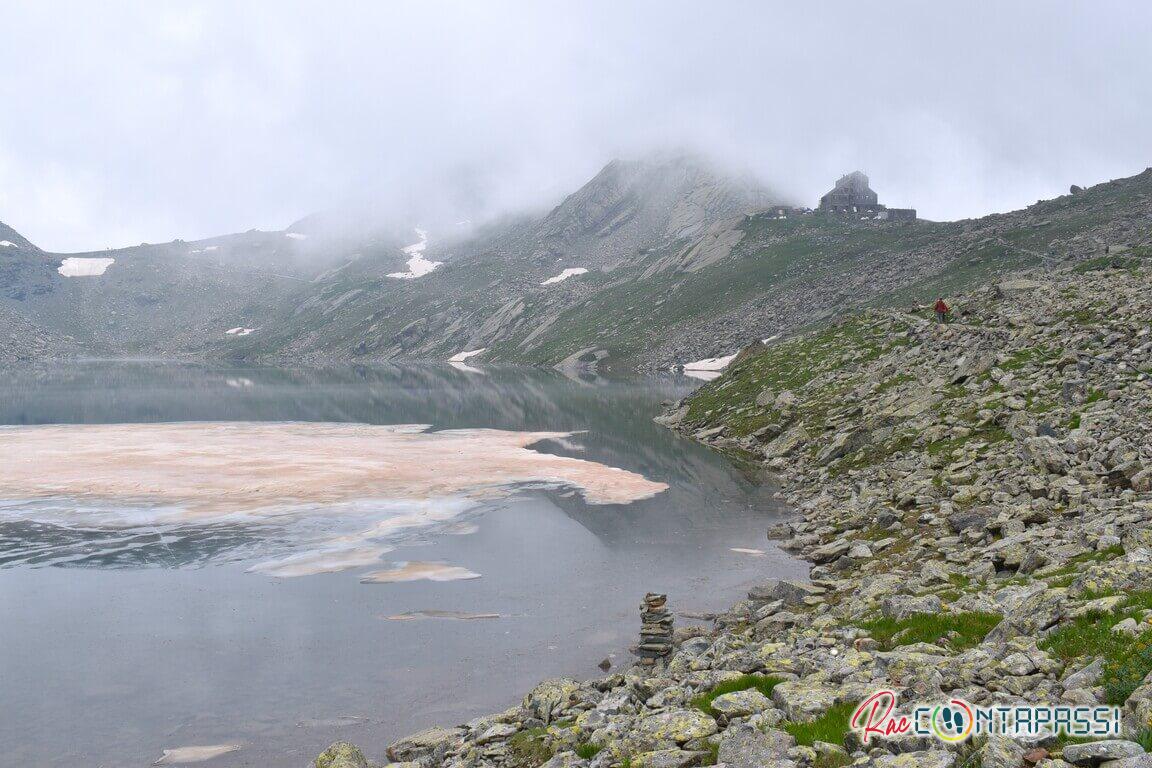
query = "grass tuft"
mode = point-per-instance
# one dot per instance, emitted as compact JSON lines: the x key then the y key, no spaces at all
{"x":959,"y":631}
{"x":830,"y":726}
{"x":588,"y":751}
{"x":528,"y":747}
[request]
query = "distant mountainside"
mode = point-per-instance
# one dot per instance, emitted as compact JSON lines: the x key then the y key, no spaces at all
{"x":652,"y":262}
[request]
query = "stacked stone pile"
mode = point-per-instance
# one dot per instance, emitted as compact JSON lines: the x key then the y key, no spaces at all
{"x":655,"y":629}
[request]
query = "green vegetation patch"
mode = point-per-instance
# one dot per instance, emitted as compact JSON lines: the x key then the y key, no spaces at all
{"x":830,"y":726}
{"x":529,"y":747}
{"x":588,"y":751}
{"x":958,"y":631}
{"x":832,"y":760}
{"x":762,"y":683}
{"x":1126,"y":260}
{"x":792,"y":365}
{"x":1124,"y":672}
{"x":1127,"y":659}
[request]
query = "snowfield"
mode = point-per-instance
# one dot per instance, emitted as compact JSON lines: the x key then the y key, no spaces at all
{"x":565,"y":275}
{"x":418,"y":266}
{"x":239,"y":331}
{"x":709,"y":368}
{"x":7,"y":244}
{"x":77,"y":266}
{"x":710,"y":364}
{"x":296,"y":235}
{"x":461,"y":357}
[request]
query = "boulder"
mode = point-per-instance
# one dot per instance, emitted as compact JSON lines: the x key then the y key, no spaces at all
{"x":1096,"y":752}
{"x":742,"y":746}
{"x":550,"y":698}
{"x":676,"y":726}
{"x":426,"y":745}
{"x":741,"y":703}
{"x":933,"y":758}
{"x":1001,"y":752}
{"x":341,"y":755}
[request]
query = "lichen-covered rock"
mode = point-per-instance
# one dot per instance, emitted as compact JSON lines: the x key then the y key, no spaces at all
{"x":935,"y":758}
{"x":341,"y":755}
{"x":551,"y":698}
{"x":742,"y":746}
{"x":565,"y":760}
{"x":429,"y":743}
{"x":667,"y":758}
{"x":677,"y":726}
{"x":1001,"y":752}
{"x":803,"y":700}
{"x":741,"y":703}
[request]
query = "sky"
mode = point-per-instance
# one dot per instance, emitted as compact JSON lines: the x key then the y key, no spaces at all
{"x":125,"y":122}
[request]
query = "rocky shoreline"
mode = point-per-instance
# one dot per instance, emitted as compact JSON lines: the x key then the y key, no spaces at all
{"x":975,"y":499}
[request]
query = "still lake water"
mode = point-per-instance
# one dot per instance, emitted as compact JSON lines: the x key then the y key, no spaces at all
{"x":131,"y":623}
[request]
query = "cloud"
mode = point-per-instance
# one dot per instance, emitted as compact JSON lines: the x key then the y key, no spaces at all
{"x":186,"y":120}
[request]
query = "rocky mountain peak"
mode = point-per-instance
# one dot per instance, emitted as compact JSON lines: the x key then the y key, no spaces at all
{"x":633,"y":203}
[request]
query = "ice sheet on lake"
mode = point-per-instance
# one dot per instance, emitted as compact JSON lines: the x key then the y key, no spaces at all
{"x":342,"y":495}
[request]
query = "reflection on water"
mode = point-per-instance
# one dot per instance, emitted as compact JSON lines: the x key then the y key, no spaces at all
{"x":164,"y":634}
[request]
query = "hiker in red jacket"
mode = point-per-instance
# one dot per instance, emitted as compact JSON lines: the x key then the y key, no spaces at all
{"x":942,"y":310}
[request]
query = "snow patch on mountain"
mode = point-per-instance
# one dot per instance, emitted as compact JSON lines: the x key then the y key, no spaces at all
{"x":709,"y":368}
{"x":77,"y":266}
{"x":239,"y":331}
{"x":296,"y":235}
{"x":462,"y":356}
{"x":418,"y":266}
{"x":570,"y":272}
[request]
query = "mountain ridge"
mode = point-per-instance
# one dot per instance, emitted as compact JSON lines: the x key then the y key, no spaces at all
{"x":651,"y":263}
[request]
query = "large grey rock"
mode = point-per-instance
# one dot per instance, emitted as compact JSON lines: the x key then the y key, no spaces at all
{"x":787,"y":591}
{"x":551,"y":698}
{"x":1001,"y":752}
{"x":667,"y":758}
{"x":933,"y":758}
{"x":565,"y":760}
{"x":741,"y":703}
{"x":742,"y":746}
{"x":903,"y":606}
{"x":1096,"y":752}
{"x":676,"y":726}
{"x":427,"y":744}
{"x":1136,"y":761}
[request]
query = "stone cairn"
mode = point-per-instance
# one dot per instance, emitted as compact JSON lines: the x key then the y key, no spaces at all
{"x":655,"y":630}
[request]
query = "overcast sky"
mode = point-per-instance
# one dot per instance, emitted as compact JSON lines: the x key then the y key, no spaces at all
{"x":123,"y":122}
